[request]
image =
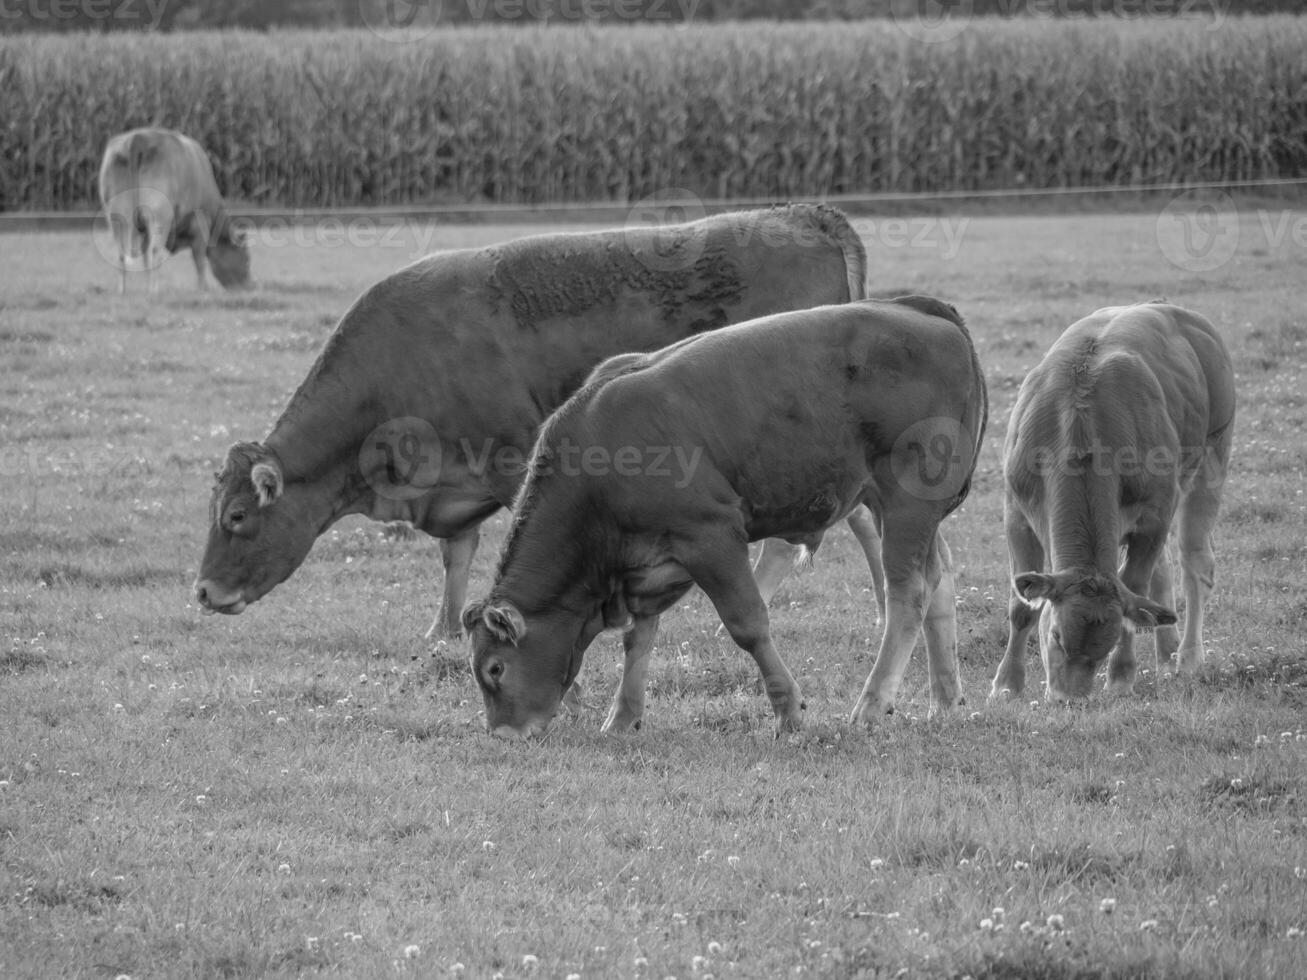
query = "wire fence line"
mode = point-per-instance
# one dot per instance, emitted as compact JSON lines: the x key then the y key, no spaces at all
{"x":613,"y":211}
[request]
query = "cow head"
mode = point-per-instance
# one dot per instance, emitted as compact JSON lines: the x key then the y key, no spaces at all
{"x":1081,"y":621}
{"x":258,"y":532}
{"x":524,"y":668}
{"x":229,"y":258}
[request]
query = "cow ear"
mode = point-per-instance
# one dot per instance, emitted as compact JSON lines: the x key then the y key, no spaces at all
{"x":1147,"y":613}
{"x":503,"y":620}
{"x":471,"y":614}
{"x":1036,"y":586}
{"x":266,"y":477}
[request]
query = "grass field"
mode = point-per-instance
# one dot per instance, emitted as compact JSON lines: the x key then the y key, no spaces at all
{"x":306,"y":789}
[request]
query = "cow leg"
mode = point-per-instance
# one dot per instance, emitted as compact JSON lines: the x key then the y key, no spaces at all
{"x":1197,"y":519}
{"x":941,"y":632}
{"x":863,"y":526}
{"x":1025,"y":554}
{"x":456,"y":554}
{"x":913,"y":569}
{"x":1162,"y":590}
{"x":154,"y":253}
{"x":628,"y":705}
{"x":199,"y":248}
{"x":719,"y":564}
{"x":778,"y":557}
{"x":774,"y":562}
{"x":1144,"y":549}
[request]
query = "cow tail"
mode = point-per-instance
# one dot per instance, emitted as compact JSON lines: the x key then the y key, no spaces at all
{"x":855,"y":255}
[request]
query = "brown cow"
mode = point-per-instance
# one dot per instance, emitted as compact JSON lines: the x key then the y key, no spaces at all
{"x":657,"y":474}
{"x":425,"y":401}
{"x":1123,"y":427}
{"x":158,"y":190}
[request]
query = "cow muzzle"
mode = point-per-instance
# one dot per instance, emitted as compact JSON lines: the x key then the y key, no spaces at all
{"x":213,"y":598}
{"x":527,"y":730}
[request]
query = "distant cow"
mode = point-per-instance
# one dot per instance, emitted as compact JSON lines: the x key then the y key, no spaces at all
{"x":425,"y":401}
{"x":158,"y":190}
{"x":1125,"y":424}
{"x":657,"y":474}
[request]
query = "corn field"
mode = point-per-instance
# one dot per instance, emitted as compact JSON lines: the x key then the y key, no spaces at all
{"x":532,"y":115}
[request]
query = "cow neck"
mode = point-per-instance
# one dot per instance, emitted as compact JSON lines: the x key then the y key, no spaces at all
{"x":551,"y":559}
{"x":1083,"y":522}
{"x":321,"y":428}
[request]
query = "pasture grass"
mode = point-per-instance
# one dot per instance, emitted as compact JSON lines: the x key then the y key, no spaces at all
{"x":307,"y":789}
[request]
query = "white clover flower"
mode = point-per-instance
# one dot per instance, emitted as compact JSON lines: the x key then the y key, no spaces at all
{"x":1293,"y":933}
{"x":987,"y":925}
{"x":1148,"y":925}
{"x":1107,"y":906}
{"x":412,"y":951}
{"x":1056,"y":922}
{"x":530,"y":962}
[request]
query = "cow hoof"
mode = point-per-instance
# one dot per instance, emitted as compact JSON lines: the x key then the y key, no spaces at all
{"x":868,"y":715}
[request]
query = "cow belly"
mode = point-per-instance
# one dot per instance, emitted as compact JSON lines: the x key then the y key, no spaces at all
{"x":651,"y":590}
{"x":802,"y":511}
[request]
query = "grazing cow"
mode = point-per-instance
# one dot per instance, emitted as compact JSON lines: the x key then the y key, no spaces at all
{"x":1125,"y":424}
{"x":657,"y":474}
{"x":158,"y":190}
{"x":425,"y":401}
